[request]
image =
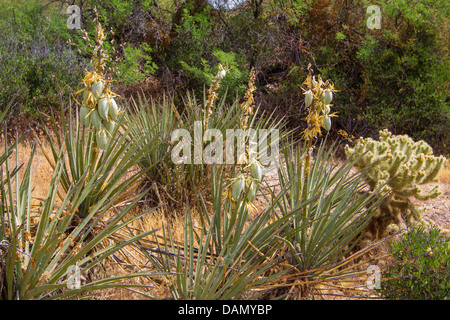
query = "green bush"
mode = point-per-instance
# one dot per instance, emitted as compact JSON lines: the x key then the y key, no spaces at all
{"x":395,"y":77}
{"x":422,"y":268}
{"x":36,"y":63}
{"x":234,"y":82}
{"x":404,"y":72}
{"x":135,"y":65}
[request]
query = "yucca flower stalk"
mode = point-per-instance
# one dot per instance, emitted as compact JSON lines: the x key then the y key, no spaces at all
{"x":318,"y":97}
{"x":250,"y":170}
{"x":95,"y":128}
{"x":212,"y":95}
{"x":98,"y":109}
{"x":40,"y":246}
{"x":248,"y":105}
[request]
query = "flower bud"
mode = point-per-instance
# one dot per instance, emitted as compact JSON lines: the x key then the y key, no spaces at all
{"x":103,"y":108}
{"x":327,"y":96}
{"x":84,"y":116}
{"x":101,"y":139}
{"x":256,"y":171}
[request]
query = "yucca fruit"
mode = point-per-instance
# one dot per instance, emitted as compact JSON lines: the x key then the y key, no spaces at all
{"x":86,"y":93}
{"x":253,"y":188}
{"x":96,"y":120}
{"x":97,"y":89}
{"x":113,"y":109}
{"x":238,"y":187}
{"x":326,"y":97}
{"x":327,"y":123}
{"x":101,"y":139}
{"x":103,"y":108}
{"x":109,"y":126}
{"x":308,"y":98}
{"x":256,"y":171}
{"x":84,"y":116}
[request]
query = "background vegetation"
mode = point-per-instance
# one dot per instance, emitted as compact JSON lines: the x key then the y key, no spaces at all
{"x":228,"y":65}
{"x":395,"y":77}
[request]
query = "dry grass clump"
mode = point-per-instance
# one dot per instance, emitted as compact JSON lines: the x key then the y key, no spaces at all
{"x":42,"y":170}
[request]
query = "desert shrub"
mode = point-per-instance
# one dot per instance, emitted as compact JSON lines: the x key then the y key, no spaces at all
{"x":204,"y":74}
{"x":394,"y":77}
{"x":406,"y":72}
{"x":135,"y":65}
{"x":422,"y":267}
{"x":402,"y":166}
{"x":35,"y":62}
{"x":42,"y":245}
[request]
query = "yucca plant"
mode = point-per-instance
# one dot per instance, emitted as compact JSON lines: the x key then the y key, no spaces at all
{"x":250,"y":172}
{"x":99,"y":152}
{"x":40,"y":247}
{"x":159,"y":120}
{"x":101,"y":171}
{"x":226,"y":256}
{"x":338,"y":212}
{"x":98,"y":109}
{"x":149,"y":122}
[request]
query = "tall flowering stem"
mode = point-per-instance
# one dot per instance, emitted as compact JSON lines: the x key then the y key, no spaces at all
{"x":212,"y":95}
{"x":248,"y":104}
{"x":250,"y":172}
{"x":98,"y":109}
{"x":318,"y":97}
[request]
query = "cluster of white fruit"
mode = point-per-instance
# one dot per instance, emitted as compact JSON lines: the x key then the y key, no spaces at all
{"x":326,"y":96}
{"x":252,"y":182}
{"x":99,"y":111}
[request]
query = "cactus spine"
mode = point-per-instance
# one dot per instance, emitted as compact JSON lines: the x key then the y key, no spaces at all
{"x":401,"y":165}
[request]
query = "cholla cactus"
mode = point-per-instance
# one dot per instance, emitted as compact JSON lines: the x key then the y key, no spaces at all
{"x":402,"y":165}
